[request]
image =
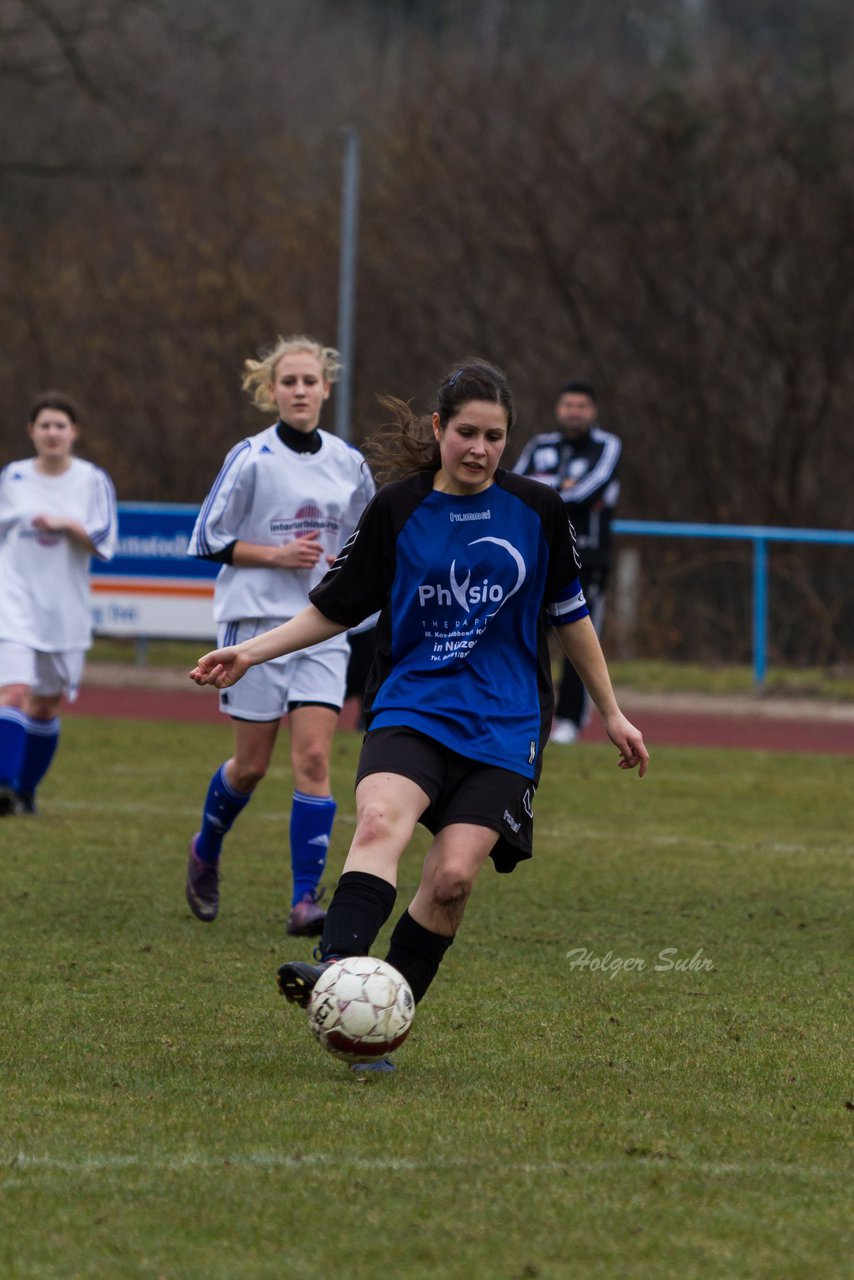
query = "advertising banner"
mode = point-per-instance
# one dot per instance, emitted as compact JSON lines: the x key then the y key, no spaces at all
{"x":152,"y":587}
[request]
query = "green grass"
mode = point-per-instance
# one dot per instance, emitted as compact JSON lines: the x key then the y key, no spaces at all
{"x":694,"y":677}
{"x":154,"y":653}
{"x":165,"y":1115}
{"x":646,"y":675}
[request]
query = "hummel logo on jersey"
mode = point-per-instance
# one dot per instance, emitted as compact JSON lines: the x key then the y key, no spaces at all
{"x":265,"y":448}
{"x":458,"y":517}
{"x":487,"y":591}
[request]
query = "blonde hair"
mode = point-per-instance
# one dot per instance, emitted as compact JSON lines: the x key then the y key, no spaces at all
{"x":259,"y":374}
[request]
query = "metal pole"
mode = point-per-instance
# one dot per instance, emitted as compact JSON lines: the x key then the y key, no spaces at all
{"x":760,"y":612}
{"x":347,"y":278}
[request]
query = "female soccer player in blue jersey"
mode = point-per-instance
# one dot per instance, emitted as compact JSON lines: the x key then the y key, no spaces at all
{"x":56,"y":512}
{"x":280,"y":510}
{"x":467,"y":563}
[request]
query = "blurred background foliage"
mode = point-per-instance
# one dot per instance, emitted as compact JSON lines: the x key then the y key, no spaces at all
{"x":656,"y":194}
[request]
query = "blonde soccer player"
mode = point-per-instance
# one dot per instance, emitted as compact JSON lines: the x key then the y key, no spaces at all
{"x":283,"y":505}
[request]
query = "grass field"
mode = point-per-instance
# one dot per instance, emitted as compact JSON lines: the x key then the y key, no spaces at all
{"x":165,"y":1115}
{"x":834,"y":684}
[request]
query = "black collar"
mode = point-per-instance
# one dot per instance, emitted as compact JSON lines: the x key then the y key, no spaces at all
{"x":299,"y":441}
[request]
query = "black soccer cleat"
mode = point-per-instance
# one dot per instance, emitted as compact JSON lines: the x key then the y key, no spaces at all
{"x":296,"y":980}
{"x":26,"y":804}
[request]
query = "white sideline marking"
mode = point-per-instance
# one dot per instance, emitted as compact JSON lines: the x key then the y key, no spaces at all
{"x":279,"y":1160}
{"x":598,"y":834}
{"x":687,"y":840}
{"x":184,"y":813}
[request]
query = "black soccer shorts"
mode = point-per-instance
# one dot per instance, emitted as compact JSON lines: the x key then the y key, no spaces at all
{"x":460,"y":790}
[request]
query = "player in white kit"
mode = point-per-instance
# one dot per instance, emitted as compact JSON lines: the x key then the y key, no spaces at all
{"x":281,"y":508}
{"x":56,"y":512}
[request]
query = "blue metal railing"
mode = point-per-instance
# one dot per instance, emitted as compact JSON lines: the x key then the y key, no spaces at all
{"x":760,"y":536}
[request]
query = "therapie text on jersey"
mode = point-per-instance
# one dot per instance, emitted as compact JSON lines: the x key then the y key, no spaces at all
{"x":461,"y":609}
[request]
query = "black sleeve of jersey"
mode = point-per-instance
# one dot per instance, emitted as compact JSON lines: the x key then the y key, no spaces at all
{"x":359,"y":581}
{"x":564,"y":562}
{"x":225,"y":556}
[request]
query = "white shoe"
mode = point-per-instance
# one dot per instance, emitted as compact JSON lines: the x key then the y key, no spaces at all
{"x":564,"y":733}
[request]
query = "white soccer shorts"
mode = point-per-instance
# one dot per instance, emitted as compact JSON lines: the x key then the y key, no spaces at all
{"x":318,"y":674}
{"x":46,"y":674}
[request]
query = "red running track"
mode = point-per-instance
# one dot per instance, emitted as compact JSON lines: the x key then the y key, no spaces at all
{"x":667,"y":727}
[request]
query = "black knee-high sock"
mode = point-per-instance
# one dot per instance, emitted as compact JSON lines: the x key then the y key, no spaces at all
{"x":416,"y":952}
{"x":359,"y":908}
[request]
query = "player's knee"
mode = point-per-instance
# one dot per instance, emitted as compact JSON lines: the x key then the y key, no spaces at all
{"x":377,"y":824}
{"x":452,"y":886}
{"x":13,"y":695}
{"x":246,"y":775}
{"x":312,"y":766}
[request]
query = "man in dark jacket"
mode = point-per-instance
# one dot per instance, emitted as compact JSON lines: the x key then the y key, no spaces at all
{"x":580,"y":460}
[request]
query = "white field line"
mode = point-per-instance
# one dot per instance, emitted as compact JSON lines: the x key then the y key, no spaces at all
{"x":179,"y":812}
{"x":391,"y":1164}
{"x":598,"y":835}
{"x":684,"y":840}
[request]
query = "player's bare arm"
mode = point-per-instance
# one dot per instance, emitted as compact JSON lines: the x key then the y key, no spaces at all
{"x":224,"y":667}
{"x":301,"y":553}
{"x":581,"y":645}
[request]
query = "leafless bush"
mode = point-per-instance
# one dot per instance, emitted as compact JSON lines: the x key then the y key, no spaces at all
{"x":662,"y":207}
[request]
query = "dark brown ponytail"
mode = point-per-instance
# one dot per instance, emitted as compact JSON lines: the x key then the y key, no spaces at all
{"x":406,"y":444}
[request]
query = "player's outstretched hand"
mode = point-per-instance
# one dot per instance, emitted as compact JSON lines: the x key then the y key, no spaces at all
{"x":222,"y":667}
{"x":623,"y":734}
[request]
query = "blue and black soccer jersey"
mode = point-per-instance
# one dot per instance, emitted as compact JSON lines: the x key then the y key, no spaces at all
{"x":466,"y":586}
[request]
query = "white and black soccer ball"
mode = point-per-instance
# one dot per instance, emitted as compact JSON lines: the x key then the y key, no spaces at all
{"x":361,"y":1009}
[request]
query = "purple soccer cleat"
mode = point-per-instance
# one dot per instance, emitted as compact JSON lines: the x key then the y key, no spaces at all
{"x":306,"y":918}
{"x":202,"y":885}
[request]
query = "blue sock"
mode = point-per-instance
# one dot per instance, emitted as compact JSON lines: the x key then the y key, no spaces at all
{"x":311,"y":826}
{"x":40,"y":744}
{"x":13,"y":737}
{"x":222,"y":805}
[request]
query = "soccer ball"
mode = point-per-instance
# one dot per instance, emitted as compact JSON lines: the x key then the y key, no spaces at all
{"x":361,"y":1009}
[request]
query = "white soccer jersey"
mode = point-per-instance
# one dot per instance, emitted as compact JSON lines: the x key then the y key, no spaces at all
{"x":268,"y":494}
{"x":44,"y":577}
